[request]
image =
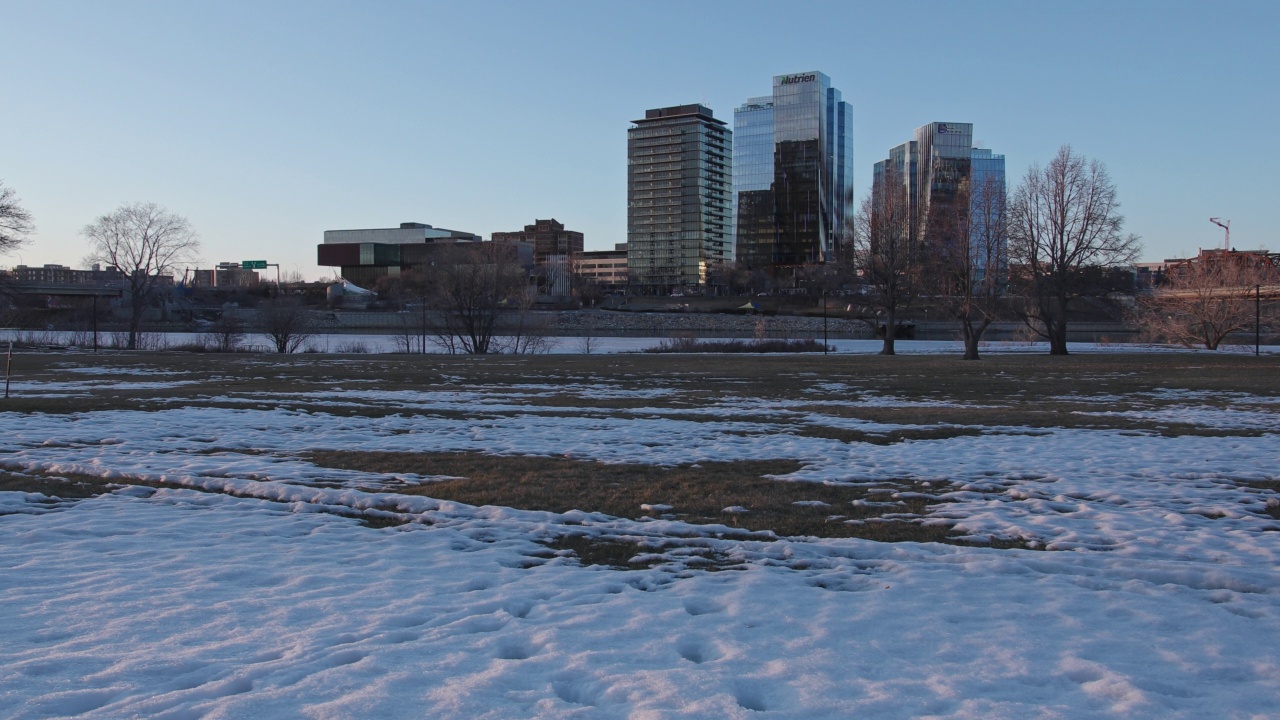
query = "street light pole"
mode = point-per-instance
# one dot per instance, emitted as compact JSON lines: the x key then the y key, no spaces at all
{"x":1257,"y":320}
{"x":1225,"y":225}
{"x":825,"y":347}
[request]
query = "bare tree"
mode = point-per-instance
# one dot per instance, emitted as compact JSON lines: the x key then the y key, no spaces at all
{"x":475,"y":287}
{"x":15,"y":222}
{"x":586,"y":286}
{"x":227,"y":331}
{"x":885,"y":256}
{"x":146,"y":242}
{"x":1206,"y":299}
{"x":286,"y":323}
{"x":732,"y":276}
{"x":416,"y":324}
{"x":1065,"y":227}
{"x":969,"y":263}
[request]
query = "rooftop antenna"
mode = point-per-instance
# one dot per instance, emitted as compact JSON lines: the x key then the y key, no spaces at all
{"x":1225,"y":225}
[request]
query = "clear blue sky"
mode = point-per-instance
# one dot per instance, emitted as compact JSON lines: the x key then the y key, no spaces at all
{"x":266,"y":123}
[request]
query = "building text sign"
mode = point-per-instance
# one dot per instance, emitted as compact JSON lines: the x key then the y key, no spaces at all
{"x":793,"y":79}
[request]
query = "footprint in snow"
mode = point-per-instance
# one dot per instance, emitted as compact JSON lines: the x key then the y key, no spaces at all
{"x":577,"y":689}
{"x":696,"y":651}
{"x":514,"y":649}
{"x":701,"y":606}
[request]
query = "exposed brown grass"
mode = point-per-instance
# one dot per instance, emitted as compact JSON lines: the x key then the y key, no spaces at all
{"x":1002,"y":390}
{"x":697,"y":494}
{"x":1008,"y":383}
{"x":53,"y":486}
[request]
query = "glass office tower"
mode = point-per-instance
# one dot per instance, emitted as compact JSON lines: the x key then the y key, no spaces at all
{"x":946,"y":153}
{"x":931,"y":169}
{"x":679,"y":222}
{"x":989,"y":214}
{"x":793,"y":173}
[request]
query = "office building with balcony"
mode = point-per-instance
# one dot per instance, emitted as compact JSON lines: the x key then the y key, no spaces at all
{"x":793,"y":174}
{"x":679,"y":199}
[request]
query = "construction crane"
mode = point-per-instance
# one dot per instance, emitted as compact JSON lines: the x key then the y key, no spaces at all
{"x":1225,"y":225}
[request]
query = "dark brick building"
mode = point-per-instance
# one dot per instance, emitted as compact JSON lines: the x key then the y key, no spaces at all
{"x":549,"y":239}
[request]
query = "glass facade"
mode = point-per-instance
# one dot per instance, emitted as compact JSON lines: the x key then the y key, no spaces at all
{"x":793,"y":173}
{"x":988,"y":214}
{"x":946,"y":151}
{"x":679,"y":213}
{"x":933,"y":167}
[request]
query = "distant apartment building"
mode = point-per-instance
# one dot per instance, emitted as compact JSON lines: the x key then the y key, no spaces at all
{"x":606,"y":267}
{"x":549,"y":239}
{"x":63,"y":275}
{"x":553,"y":250}
{"x":679,"y":217}
{"x":792,"y":174}
{"x":225,"y":275}
{"x":364,"y":256}
{"x":940,"y":177}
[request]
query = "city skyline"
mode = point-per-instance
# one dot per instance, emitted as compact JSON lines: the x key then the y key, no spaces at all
{"x":266,"y":125}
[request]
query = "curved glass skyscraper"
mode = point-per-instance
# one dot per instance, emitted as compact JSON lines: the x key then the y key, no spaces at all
{"x":792,"y":173}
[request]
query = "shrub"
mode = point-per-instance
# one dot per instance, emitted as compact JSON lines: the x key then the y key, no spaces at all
{"x":690,"y":345}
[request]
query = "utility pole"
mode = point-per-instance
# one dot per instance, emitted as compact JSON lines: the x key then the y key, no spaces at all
{"x":1257,"y":319}
{"x":1225,"y":225}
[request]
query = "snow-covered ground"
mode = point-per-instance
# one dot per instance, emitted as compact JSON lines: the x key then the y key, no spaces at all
{"x":1158,"y":596}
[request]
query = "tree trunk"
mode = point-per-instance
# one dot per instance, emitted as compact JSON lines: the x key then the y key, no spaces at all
{"x":890,"y":332}
{"x":135,"y":322}
{"x":973,"y":336}
{"x":1055,"y":324}
{"x":1057,"y":328}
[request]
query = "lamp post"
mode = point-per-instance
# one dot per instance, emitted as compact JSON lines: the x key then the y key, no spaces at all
{"x":825,"y":347}
{"x":1257,"y":319}
{"x":1225,"y":225}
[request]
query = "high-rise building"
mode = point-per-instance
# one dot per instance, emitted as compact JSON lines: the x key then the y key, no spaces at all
{"x":988,"y":213}
{"x":930,"y":171}
{"x":793,"y":173}
{"x":678,"y":197}
{"x":946,"y":156}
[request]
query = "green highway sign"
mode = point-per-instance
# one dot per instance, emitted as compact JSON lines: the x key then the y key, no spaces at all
{"x":253,"y":265}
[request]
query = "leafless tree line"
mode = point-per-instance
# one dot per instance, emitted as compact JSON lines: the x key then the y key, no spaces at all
{"x":1208,"y":299}
{"x":1050,"y":243}
{"x":472,"y":298}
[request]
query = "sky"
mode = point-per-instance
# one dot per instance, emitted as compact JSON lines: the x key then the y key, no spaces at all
{"x":267,"y":123}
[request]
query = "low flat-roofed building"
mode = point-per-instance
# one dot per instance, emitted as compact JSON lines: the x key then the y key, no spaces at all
{"x":364,"y":256}
{"x":52,"y":274}
{"x":606,"y":267}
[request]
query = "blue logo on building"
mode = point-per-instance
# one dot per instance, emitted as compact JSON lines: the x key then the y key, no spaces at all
{"x":943,"y":129}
